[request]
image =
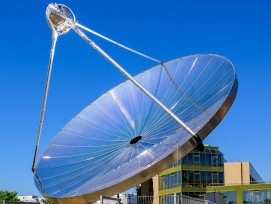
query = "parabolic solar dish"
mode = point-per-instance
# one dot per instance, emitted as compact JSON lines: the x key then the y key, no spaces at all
{"x":124,"y":138}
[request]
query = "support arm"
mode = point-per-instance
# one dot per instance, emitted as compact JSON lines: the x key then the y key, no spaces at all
{"x":52,"y":53}
{"x":196,"y":138}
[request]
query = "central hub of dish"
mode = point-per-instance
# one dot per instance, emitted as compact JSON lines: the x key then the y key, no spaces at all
{"x":60,"y":18}
{"x":135,"y":139}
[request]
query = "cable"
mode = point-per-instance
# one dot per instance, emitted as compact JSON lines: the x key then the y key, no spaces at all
{"x":116,"y":43}
{"x":180,"y":91}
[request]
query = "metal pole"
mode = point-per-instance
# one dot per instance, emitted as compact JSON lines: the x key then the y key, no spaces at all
{"x":101,"y":199}
{"x":52,"y":53}
{"x":175,"y":198}
{"x":122,"y":70}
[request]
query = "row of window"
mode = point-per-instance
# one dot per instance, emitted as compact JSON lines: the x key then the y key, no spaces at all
{"x":257,"y":196}
{"x":230,"y":197}
{"x":172,"y":180}
{"x":201,"y":178}
{"x":190,"y":179}
{"x":249,"y":196}
{"x":196,"y":158}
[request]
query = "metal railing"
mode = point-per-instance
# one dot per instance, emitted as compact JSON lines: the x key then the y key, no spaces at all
{"x":240,"y":184}
{"x":167,"y":199}
{"x":190,"y":200}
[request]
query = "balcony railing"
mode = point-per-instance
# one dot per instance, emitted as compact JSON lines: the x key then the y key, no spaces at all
{"x":240,"y":183}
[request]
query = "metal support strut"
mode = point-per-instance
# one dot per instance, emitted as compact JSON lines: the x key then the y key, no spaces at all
{"x":196,"y":138}
{"x":52,"y":53}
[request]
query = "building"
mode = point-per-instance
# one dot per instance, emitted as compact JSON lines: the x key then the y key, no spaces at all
{"x":126,"y":198}
{"x":208,"y":176}
{"x":30,"y":199}
{"x":239,"y":173}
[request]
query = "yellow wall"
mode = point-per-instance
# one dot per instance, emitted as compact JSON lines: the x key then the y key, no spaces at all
{"x":155,"y":181}
{"x":236,"y":173}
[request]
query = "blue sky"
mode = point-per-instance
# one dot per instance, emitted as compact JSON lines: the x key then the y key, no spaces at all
{"x":238,"y":30}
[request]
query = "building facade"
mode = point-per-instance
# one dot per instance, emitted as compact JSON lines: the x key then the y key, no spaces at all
{"x":206,"y":175}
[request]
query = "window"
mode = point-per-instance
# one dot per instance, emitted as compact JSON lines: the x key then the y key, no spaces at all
{"x":174,"y":180}
{"x":191,"y":178}
{"x":214,"y":159}
{"x":185,"y":178}
{"x":197,"y":178}
{"x":214,"y":177}
{"x":221,"y":177}
{"x":196,"y":158}
{"x":203,"y":178}
{"x":257,"y":196}
{"x":209,"y":177}
{"x":220,"y":160}
{"x":202,"y":159}
{"x":208,"y":160}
